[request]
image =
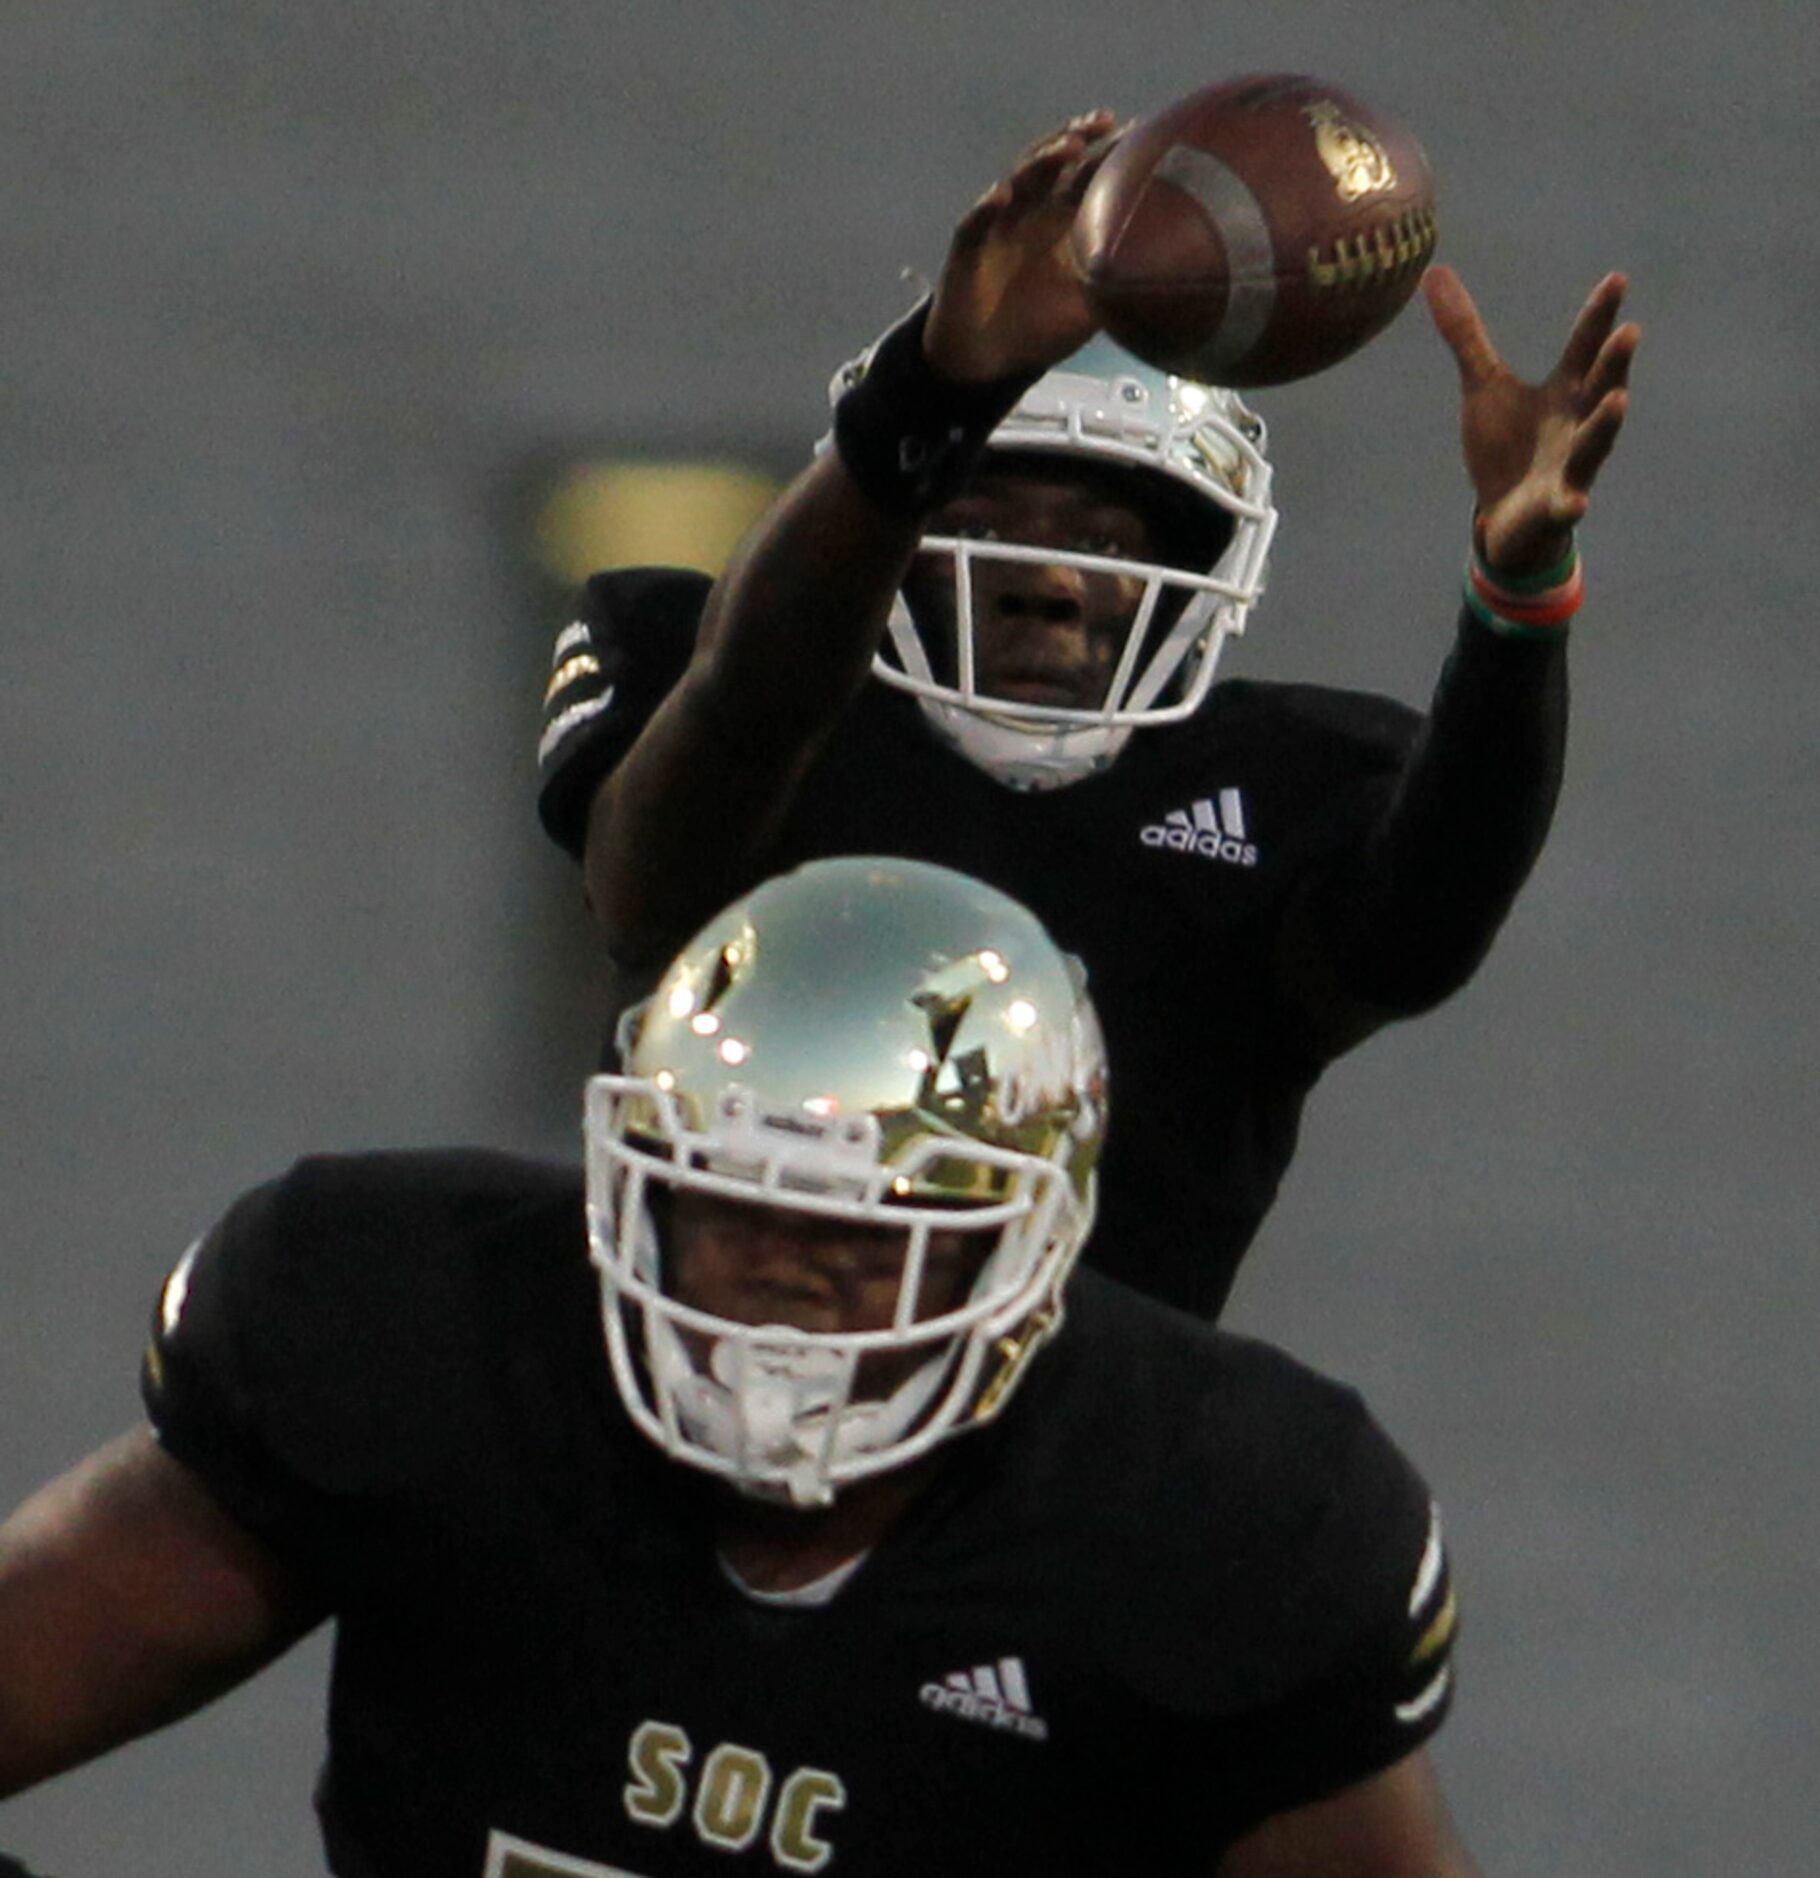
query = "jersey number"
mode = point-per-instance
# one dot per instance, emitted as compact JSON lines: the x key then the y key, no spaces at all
{"x":733,"y":1796}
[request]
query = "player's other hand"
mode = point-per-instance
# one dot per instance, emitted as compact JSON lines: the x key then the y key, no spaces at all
{"x":1534,"y":451}
{"x":1008,"y":300}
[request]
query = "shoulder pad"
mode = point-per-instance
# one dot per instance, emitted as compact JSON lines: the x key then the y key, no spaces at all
{"x":628,"y":644}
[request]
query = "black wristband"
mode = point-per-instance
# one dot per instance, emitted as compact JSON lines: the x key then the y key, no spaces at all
{"x":907,"y":435}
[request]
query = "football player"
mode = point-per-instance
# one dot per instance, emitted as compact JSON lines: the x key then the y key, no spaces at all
{"x":838,"y":1549}
{"x":981,"y":629}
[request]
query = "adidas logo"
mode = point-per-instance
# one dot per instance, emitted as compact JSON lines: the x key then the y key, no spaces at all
{"x":1217,"y":831}
{"x":997,"y":1694}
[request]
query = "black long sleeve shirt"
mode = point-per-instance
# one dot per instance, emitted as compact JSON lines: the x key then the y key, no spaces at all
{"x":1253,"y":890}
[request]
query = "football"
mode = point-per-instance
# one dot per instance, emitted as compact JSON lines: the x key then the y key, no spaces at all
{"x":1255,"y":232}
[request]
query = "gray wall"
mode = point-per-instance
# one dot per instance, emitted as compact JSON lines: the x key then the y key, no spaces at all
{"x":290,"y":292}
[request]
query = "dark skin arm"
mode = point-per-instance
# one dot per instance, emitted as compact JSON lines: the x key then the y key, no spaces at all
{"x":1462,"y":828}
{"x":1394,"y":1825}
{"x":128,"y":1599}
{"x":686,"y":819}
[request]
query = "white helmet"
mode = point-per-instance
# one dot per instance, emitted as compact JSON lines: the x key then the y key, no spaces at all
{"x":879,"y":1043}
{"x":1196,"y":453}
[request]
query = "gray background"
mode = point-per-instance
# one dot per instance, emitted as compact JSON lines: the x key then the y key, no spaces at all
{"x":291,"y":292}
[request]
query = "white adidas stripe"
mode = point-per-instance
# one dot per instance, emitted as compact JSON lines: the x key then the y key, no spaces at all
{"x":1228,"y":819}
{"x":1017,"y":1690}
{"x":565,"y":721}
{"x":1429,"y":1571}
{"x":1003,"y":1682}
{"x":568,"y":640}
{"x":1424,"y":1704}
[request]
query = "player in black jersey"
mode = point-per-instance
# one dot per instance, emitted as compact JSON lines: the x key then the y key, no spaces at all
{"x":730,"y":1594}
{"x":981,"y":630}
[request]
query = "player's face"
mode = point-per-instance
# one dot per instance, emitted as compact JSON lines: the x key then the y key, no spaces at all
{"x":757,"y":1264}
{"x":1044,"y":633}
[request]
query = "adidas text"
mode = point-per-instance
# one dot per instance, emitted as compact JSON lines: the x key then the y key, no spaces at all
{"x":980,"y":1708}
{"x":1215,"y":847}
{"x":994,"y":1693}
{"x":1213,"y":827}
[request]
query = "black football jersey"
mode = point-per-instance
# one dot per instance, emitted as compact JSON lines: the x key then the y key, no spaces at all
{"x":1400,"y":840}
{"x":1182,"y":1583}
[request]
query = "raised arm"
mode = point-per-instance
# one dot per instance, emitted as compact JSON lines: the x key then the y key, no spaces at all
{"x":1432,"y":878}
{"x":686,"y":817}
{"x":127,"y":1599}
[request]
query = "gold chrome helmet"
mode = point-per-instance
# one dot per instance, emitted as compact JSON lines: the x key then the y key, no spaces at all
{"x":1192,"y":457}
{"x":878,"y":1042}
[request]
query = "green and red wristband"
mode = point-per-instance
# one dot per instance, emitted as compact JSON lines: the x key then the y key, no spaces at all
{"x":1526,"y":606}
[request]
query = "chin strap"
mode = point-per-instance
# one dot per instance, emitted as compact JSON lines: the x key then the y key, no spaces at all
{"x":784,"y":1416}
{"x":1013,"y":1354}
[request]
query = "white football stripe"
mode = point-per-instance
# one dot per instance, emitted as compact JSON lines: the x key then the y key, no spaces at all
{"x":1250,"y":258}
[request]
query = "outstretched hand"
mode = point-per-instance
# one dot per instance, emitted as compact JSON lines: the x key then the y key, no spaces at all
{"x":1534,"y":451}
{"x":1008,"y":300}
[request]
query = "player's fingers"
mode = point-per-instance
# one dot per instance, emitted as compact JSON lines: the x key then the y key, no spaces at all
{"x":1593,"y":440}
{"x":1035,"y":171}
{"x":1088,"y":166}
{"x":1037,"y":181}
{"x":1038,"y":145}
{"x":1610,"y":371}
{"x":979,"y":221}
{"x":1457,"y":320}
{"x":1085,"y":123}
{"x":1568,"y":510}
{"x":1593,"y":326}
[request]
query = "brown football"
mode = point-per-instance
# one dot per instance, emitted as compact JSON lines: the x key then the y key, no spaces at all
{"x":1257,"y":231}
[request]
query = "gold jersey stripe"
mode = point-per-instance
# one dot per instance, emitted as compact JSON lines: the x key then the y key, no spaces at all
{"x":580,"y":666}
{"x":1438,"y":1634}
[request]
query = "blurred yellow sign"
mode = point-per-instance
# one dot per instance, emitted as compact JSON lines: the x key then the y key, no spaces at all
{"x":645,"y":511}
